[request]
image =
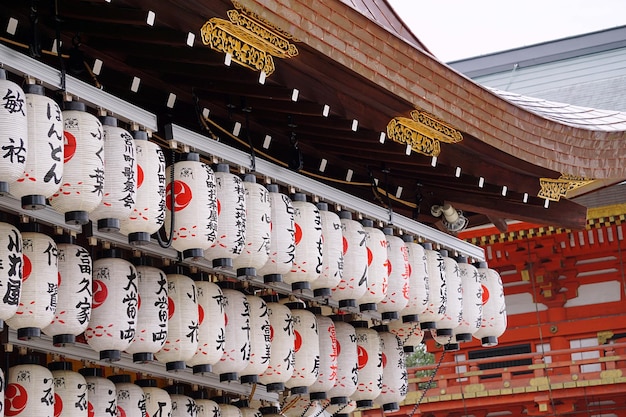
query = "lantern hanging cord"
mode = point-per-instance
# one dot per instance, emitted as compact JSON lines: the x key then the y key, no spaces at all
{"x":410,"y":332}
{"x":168,"y":242}
{"x":247,"y":111}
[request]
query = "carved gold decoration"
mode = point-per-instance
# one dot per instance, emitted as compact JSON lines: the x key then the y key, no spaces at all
{"x":250,"y":40}
{"x":422,"y":132}
{"x":553,"y":189}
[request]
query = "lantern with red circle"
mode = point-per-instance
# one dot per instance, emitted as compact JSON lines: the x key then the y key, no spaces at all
{"x":158,"y":401}
{"x":260,"y":344}
{"x":256,"y":250}
{"x":101,"y":393}
{"x":494,"y":318}
{"x":113,"y":321}
{"x":377,"y":267}
{"x":148,"y":215}
{"x":282,"y":237}
{"x":418,"y":281}
{"x":332,"y":253}
{"x":231,"y":219}
{"x":182,"y":404}
{"x":70,"y":390}
{"x":354,"y":279}
{"x":370,"y":373}
{"x":397,"y":296}
{"x":205,"y":406}
{"x":211,"y":324}
{"x":327,"y":375}
{"x":152,"y":311}
{"x":410,"y":333}
{"x":82,"y":188}
{"x":454,"y":297}
{"x":131,"y":400}
{"x":13,"y":132}
{"x":395,"y":380}
{"x":471,"y":317}
{"x":436,"y":308}
{"x":43,"y":170}
{"x":347,"y":362}
{"x":194,"y":211}
{"x":74,"y":293}
{"x":40,"y":280}
{"x":236,"y":335}
{"x":181,"y":343}
{"x":120,"y":173}
{"x":282,"y":338}
{"x":30,"y":390}
{"x":11,"y":275}
{"x":306,"y":349}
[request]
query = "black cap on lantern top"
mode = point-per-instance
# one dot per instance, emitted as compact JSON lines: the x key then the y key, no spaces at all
{"x":367,"y":223}
{"x":202,"y":369}
{"x":68,"y":239}
{"x":108,"y":121}
{"x":242,"y":403}
{"x":63,"y":339}
{"x":390,"y":407}
{"x":74,"y":105}
{"x":344,"y":214}
{"x":110,"y":355}
{"x":147,"y":383}
{"x":444,"y":252}
{"x":407,"y":238}
{"x":30,"y":227}
{"x":427,"y":245}
{"x":316,"y":396}
{"x":272,"y":188}
{"x":410,"y":318}
{"x":381,"y":328}
{"x":27,"y":333}
{"x":298,"y":197}
{"x":176,"y":389}
{"x":249,"y":379}
{"x":175,"y":366}
{"x":199,"y":394}
{"x":270,"y":298}
{"x":189,"y":156}
{"x":29,"y":360}
{"x":461,"y":259}
{"x":111,"y":253}
{"x":222,"y":168}
{"x":481,"y":264}
{"x":140,"y":135}
{"x":321,"y":206}
{"x":119,"y":378}
{"x":4,"y":188}
{"x":364,"y":404}
{"x":451,"y":347}
{"x":389,"y":315}
{"x":60,"y":366}
{"x":275,"y":387}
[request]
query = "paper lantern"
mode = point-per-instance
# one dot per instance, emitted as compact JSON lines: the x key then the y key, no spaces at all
{"x":395,"y":377}
{"x":227,"y":410}
{"x":11,"y":275}
{"x":43,"y":170}
{"x":260,"y":343}
{"x":327,"y":375}
{"x":182,"y":405}
{"x":246,"y":409}
{"x":282,"y":338}
{"x":332,"y":253}
{"x":370,"y":373}
{"x":236,"y":336}
{"x":148,"y":215}
{"x":397,"y":295}
{"x":410,"y":333}
{"x":494,"y":318}
{"x":307,"y":262}
{"x":70,"y":391}
{"x":377,"y":267}
{"x":256,"y":250}
{"x":418,"y":281}
{"x":205,"y":406}
{"x":211,"y":325}
{"x":13,"y":132}
{"x":82,"y":187}
{"x":120,"y":172}
{"x":74,"y":292}
{"x":354,"y":279}
{"x":194,"y":206}
{"x":40,"y":279}
{"x":297,"y":405}
{"x":338,"y":410}
{"x":231,"y":219}
{"x":347,"y":363}
{"x":471,"y":318}
{"x":282,"y":237}
{"x":158,"y":401}
{"x":131,"y":400}
{"x":30,"y":390}
{"x":113,"y":321}
{"x":306,"y":349}
{"x":181,"y":343}
{"x":436,"y":308}
{"x":454,"y":297}
{"x":101,"y":393}
{"x":152,"y":312}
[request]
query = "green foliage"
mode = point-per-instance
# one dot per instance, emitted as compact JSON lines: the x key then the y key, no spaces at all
{"x":419,"y":358}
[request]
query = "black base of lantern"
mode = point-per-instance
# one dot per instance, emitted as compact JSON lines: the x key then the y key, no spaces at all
{"x":224,"y":263}
{"x":76,"y":218}
{"x":451,"y":347}
{"x":409,"y":349}
{"x":143,"y":357}
{"x":110,"y":355}
{"x":175,"y":366}
{"x":464,"y":337}
{"x":109,"y":225}
{"x":300,"y":286}
{"x":425,"y":325}
{"x":368,"y":307}
{"x":444,"y":332}
{"x":339,"y":400}
{"x":272,"y":278}
{"x":4,"y":187}
{"x":203,"y":369}
{"x":364,"y":404}
{"x":275,"y":387}
{"x":410,"y":318}
{"x":489,"y":341}
{"x":33,"y":202}
{"x":298,"y":390}
{"x":322,"y":292}
{"x":229,"y":376}
{"x":390,"y":407}
{"x":246,"y":273}
{"x":347,"y":303}
{"x":316,"y":396}
{"x":138,"y":238}
{"x":27,"y":333}
{"x":390,"y":315}
{"x":63,"y":339}
{"x":193,"y":253}
{"x":249,"y":379}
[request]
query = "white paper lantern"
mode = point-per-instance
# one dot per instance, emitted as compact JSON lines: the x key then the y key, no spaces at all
{"x":256,"y":250}
{"x":354,"y":280}
{"x":74,"y":292}
{"x":182,"y":323}
{"x":131,"y":400}
{"x":11,"y":275}
{"x":227,"y":410}
{"x":370,"y":373}
{"x":82,"y":187}
{"x":397,"y":296}
{"x":338,"y":410}
{"x":152,"y":312}
{"x":494,"y":318}
{"x":307,"y":262}
{"x":260,"y":343}
{"x":101,"y":393}
{"x":282,"y":237}
{"x":231,"y":219}
{"x":158,"y":401}
{"x":297,"y":405}
{"x":205,"y":406}
{"x":332,"y":253}
{"x":377,"y":267}
{"x":211,"y":330}
{"x":471,"y":318}
{"x":418,"y":281}
{"x":43,"y":170}
{"x":347,"y":363}
{"x":246,"y":409}
{"x":70,"y":391}
{"x":113,"y":321}
{"x":306,"y":349}
{"x":454,"y":297}
{"x":436,"y":308}
{"x":395,"y":377}
{"x":327,"y":375}
{"x":282,"y":338}
{"x":29,"y":391}
{"x":446,"y":340}
{"x":195,"y":206}
{"x":13,"y":132}
{"x":237,"y":334}
{"x":410,"y":333}
{"x":120,"y":173}
{"x":40,"y":279}
{"x":148,"y":215}
{"x":182,"y":405}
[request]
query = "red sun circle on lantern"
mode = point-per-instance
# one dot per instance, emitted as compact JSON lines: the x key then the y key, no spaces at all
{"x":15,"y":399}
{"x":485,"y":294}
{"x":138,"y":302}
{"x":182,"y":195}
{"x":58,"y":405}
{"x":384,"y":359}
{"x":363,"y":357}
{"x":298,"y":233}
{"x":27,"y":268}
{"x":297,"y":341}
{"x":120,"y":412}
{"x":389,"y":268}
{"x":370,"y":257}
{"x":200,"y":314}
{"x":170,"y":308}
{"x":345,"y":245}
{"x":59,"y":279}
{"x":100,"y":293}
{"x":139,"y":175}
{"x":338,"y":348}
{"x":69,"y":146}
{"x":90,"y":410}
{"x":271,"y":333}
